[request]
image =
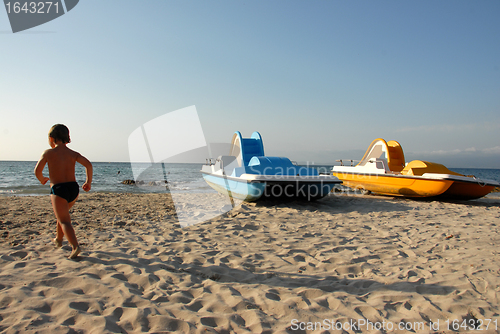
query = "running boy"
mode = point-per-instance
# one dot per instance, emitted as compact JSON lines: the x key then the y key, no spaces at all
{"x":63,"y":187}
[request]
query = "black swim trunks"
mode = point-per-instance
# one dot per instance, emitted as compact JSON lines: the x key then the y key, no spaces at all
{"x":68,"y":190}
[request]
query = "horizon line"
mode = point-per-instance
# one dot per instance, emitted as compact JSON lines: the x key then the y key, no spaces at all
{"x":307,"y":163}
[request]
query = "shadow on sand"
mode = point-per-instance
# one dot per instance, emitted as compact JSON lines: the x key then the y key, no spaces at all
{"x":226,"y":274}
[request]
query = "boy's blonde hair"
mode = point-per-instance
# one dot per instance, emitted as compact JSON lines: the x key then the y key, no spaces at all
{"x":60,"y":132}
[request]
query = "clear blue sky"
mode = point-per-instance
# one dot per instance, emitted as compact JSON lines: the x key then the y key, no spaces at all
{"x":318,"y":79}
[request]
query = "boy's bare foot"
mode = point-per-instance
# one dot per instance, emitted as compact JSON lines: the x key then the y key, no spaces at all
{"x":75,"y":252}
{"x":57,"y":243}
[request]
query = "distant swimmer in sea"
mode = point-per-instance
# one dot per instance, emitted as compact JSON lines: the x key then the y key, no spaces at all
{"x":64,"y":189}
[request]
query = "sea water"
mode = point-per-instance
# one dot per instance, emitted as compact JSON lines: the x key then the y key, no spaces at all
{"x":17,"y":177}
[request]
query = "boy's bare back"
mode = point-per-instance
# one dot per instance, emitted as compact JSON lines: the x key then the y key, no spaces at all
{"x":61,"y":161}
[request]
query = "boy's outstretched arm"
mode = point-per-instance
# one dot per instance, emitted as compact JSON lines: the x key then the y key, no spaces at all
{"x":88,"y":171}
{"x":39,"y":169}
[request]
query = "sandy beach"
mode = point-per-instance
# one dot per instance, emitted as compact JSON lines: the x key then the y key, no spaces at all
{"x":343,"y":264}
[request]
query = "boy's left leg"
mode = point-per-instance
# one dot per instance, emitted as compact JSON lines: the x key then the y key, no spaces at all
{"x":61,"y":210}
{"x":60,"y":233}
